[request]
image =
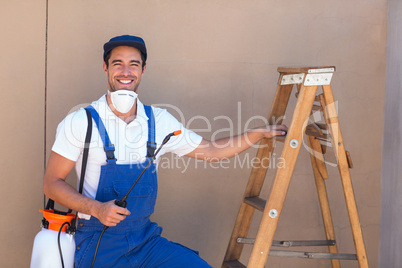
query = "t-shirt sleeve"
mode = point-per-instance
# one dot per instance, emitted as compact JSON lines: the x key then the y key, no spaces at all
{"x":70,"y":133}
{"x":182,"y":144}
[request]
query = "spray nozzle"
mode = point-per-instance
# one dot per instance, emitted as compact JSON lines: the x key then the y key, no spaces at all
{"x":120,"y":203}
{"x":167,"y":138}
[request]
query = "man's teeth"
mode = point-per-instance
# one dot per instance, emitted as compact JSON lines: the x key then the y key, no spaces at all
{"x":125,"y":81}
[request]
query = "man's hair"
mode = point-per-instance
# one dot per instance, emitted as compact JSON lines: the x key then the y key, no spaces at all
{"x":107,"y":57}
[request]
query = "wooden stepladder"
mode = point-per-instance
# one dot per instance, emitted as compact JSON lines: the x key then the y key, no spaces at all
{"x":307,"y":81}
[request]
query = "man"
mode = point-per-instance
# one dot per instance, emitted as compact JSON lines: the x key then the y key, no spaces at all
{"x":133,"y":129}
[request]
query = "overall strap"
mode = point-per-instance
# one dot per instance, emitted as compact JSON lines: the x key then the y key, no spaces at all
{"x":151,"y":144}
{"x":107,"y":144}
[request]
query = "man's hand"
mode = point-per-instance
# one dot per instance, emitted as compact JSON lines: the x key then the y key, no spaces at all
{"x":228,"y":147}
{"x":110,"y":214}
{"x":56,"y":188}
{"x":272,"y":131}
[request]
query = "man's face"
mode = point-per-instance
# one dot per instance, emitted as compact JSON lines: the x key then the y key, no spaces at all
{"x":125,"y":69}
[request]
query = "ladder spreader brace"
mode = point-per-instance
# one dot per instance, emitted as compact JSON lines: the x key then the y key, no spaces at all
{"x":319,"y":137}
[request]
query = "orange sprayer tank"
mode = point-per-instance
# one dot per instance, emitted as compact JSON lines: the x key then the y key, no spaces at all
{"x":45,"y":253}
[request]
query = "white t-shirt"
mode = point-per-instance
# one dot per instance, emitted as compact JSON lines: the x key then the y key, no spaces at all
{"x":130,"y":140}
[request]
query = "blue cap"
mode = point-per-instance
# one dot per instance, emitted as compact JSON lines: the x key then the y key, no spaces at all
{"x":125,"y":40}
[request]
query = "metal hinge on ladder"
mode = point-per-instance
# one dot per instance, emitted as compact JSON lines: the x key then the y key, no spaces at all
{"x":314,"y":77}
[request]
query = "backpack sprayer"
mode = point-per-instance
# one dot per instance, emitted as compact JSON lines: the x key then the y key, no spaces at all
{"x":54,"y":231}
{"x":57,"y":233}
{"x":55,"y":238}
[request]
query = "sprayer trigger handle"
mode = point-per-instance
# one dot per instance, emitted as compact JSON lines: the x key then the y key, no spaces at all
{"x":120,"y":203}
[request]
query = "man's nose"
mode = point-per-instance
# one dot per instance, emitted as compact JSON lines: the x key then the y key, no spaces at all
{"x":126,"y":70}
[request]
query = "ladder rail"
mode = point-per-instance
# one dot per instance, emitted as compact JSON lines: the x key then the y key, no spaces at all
{"x":316,"y":159}
{"x":331,"y":117}
{"x":282,"y":179}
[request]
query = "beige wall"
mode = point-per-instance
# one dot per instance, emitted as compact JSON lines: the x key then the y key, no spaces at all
{"x":22,"y":69}
{"x":211,"y":59}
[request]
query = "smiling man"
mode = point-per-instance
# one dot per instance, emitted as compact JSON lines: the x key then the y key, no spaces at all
{"x":124,"y":137}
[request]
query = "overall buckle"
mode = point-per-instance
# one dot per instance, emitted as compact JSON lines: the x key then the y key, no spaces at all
{"x":151,"y":147}
{"x":109,"y":149}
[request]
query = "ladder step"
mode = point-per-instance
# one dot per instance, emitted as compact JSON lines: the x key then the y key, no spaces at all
{"x":313,"y":255}
{"x":297,"y":254}
{"x":304,"y":243}
{"x":294,"y":243}
{"x":255,"y":202}
{"x":316,"y":130}
{"x":317,"y":126}
{"x":233,"y":264}
{"x":316,"y":134}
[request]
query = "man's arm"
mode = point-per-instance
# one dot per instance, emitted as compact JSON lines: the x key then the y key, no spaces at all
{"x":56,"y":188}
{"x":228,"y":147}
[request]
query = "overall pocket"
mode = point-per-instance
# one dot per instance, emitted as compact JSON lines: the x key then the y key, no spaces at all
{"x":85,"y":246}
{"x":140,"y":200}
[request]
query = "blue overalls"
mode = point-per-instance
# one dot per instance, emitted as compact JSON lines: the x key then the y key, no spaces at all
{"x":135,"y":241}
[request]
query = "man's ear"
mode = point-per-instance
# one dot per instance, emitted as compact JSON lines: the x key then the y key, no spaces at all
{"x":143,"y":68}
{"x":105,"y":67}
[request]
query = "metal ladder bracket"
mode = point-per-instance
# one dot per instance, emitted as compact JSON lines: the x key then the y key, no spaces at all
{"x":317,"y":79}
{"x":292,"y":79}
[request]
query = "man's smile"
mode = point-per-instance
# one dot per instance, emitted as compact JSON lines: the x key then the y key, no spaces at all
{"x":125,"y":81}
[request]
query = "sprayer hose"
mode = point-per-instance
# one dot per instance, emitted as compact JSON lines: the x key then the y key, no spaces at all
{"x":97,"y":245}
{"x":58,"y":242}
